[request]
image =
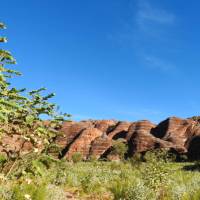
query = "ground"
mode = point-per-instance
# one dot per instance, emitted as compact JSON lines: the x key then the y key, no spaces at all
{"x":44,"y":179}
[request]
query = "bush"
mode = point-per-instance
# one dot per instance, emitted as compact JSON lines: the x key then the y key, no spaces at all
{"x":161,"y":155}
{"x":136,"y":160}
{"x":119,"y":148}
{"x":3,"y":160}
{"x":31,"y":164}
{"x":155,"y":174}
{"x":29,"y":192}
{"x":120,"y":190}
{"x":21,"y":112}
{"x":53,"y":150}
{"x":182,"y":158}
{"x":124,"y":189}
{"x":93,"y":158}
{"x":77,"y":157}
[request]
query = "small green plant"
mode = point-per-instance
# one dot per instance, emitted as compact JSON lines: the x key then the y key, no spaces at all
{"x":29,"y":192}
{"x":182,"y":158}
{"x":3,"y":160}
{"x":53,"y":150}
{"x":124,"y":190}
{"x":136,"y":160}
{"x":77,"y":157}
{"x":92,"y":158}
{"x":30,"y":164}
{"x":86,"y":182}
{"x":159,"y":155}
{"x":119,"y":190}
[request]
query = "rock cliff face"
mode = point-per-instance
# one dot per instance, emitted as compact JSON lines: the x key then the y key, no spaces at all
{"x":84,"y":142}
{"x":95,"y":137}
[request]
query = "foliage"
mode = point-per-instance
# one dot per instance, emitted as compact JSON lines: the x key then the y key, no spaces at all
{"x":21,"y":112}
{"x":195,"y":118}
{"x":31,"y":164}
{"x":29,"y":192}
{"x":136,"y":160}
{"x":121,"y":190}
{"x":3,"y":160}
{"x":92,"y":158}
{"x":159,"y":155}
{"x":54,"y":179}
{"x":77,"y":157}
{"x":155,"y":175}
{"x":119,"y":148}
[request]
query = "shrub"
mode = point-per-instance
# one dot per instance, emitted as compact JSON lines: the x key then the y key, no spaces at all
{"x":136,"y":160}
{"x":31,"y":164}
{"x":77,"y":157}
{"x":159,"y":155}
{"x":86,"y":182}
{"x":119,"y":190}
{"x":93,"y":158}
{"x":55,"y":193}
{"x":21,"y":113}
{"x":3,"y":160}
{"x":129,"y":190}
{"x":182,"y":158}
{"x":53,"y":150}
{"x":155,"y":174}
{"x":119,"y":148}
{"x":29,"y":192}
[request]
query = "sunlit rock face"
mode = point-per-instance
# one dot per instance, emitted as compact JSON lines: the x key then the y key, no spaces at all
{"x":175,"y":130}
{"x":83,"y":143}
{"x":95,"y":137}
{"x":140,"y":138}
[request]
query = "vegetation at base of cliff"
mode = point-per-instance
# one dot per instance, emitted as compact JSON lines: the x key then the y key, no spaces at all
{"x":42,"y":177}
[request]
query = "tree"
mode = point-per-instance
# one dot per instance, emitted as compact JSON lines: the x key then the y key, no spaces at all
{"x":20,"y":111}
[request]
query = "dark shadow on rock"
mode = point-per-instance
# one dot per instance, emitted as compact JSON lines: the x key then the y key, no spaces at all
{"x":119,"y":135}
{"x":106,"y":153}
{"x":160,"y":130}
{"x":194,"y":149}
{"x":131,"y":148}
{"x":179,"y":157}
{"x":112,"y":128}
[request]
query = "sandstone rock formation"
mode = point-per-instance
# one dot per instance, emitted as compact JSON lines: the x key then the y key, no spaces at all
{"x":140,"y":138}
{"x":174,"y":130}
{"x":13,"y":145}
{"x":99,"y":146}
{"x":173,"y":133}
{"x":70,"y":130}
{"x":95,"y":137}
{"x":105,"y":125}
{"x":83,"y":143}
{"x":103,"y":144}
{"x":119,"y":131}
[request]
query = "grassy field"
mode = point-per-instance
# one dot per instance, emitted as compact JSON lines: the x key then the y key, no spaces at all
{"x":44,"y":178}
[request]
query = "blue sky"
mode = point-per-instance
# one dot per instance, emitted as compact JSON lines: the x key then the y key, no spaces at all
{"x":109,"y":59}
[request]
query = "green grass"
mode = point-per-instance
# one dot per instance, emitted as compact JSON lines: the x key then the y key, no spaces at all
{"x":46,"y":179}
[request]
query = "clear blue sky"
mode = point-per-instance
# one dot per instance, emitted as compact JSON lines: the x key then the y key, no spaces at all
{"x":122,"y":59}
